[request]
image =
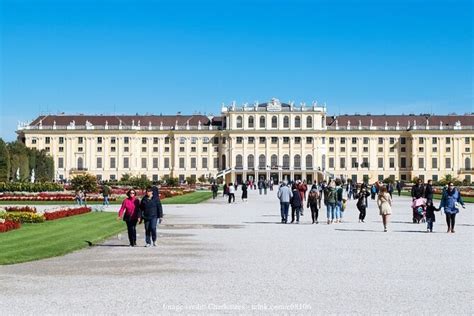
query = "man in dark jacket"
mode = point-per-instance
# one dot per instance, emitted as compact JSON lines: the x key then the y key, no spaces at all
{"x":429,"y":191}
{"x":152,"y":211}
{"x":418,"y":190}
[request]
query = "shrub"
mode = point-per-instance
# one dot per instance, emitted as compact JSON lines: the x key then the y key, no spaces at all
{"x":24,"y":209}
{"x":23,"y":217}
{"x":30,"y":187}
{"x":49,"y":216}
{"x":7,"y":225}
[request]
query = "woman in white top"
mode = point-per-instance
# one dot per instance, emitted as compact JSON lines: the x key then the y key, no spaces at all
{"x":384,"y":202}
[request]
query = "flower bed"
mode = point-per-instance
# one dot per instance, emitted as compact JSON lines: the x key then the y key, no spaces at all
{"x":7,"y":225}
{"x":23,"y":209}
{"x":49,"y":216}
{"x":22,"y":217}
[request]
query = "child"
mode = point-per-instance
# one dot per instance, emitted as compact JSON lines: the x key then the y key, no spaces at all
{"x":430,"y":215}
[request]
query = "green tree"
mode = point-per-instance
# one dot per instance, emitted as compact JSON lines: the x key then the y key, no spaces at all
{"x":141,"y":182}
{"x":4,"y":162}
{"x":86,"y":183}
{"x":190,"y":180}
{"x":19,"y":158}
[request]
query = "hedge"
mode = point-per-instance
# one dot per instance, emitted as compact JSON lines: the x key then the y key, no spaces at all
{"x":30,"y":187}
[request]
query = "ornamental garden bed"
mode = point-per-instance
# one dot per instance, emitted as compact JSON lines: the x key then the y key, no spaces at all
{"x":7,"y":225}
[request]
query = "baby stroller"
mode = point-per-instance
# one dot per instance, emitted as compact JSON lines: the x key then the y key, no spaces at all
{"x":419,"y":210}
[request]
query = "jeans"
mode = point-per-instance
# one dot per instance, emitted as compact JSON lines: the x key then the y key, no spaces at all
{"x":338,"y":210}
{"x":79,"y":201}
{"x":331,"y":210}
{"x":132,"y":232}
{"x":429,"y":224}
{"x":231,"y":197}
{"x":293,"y":211}
{"x":260,"y":191}
{"x":284,"y":206}
{"x":214,"y":195}
{"x":150,"y":230}
{"x":106,"y":200}
{"x":362,"y":212}
{"x":314,"y":212}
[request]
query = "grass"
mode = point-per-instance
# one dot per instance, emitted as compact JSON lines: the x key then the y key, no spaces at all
{"x":466,"y":199}
{"x":58,"y":237}
{"x":190,"y":198}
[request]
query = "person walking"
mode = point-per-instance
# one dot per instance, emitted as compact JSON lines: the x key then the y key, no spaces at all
{"x":418,"y":190}
{"x":450,"y":201}
{"x":265,"y":186}
{"x":214,"y":189}
{"x":284,"y":195}
{"x":429,"y":191}
{"x":105,"y":194}
{"x":244,"y":192}
{"x":339,"y":210}
{"x":330,"y":200}
{"x":399,"y":188}
{"x":260,"y":186}
{"x":430,"y":215}
{"x":313,"y":198}
{"x":384,"y":202}
{"x":231,"y":193}
{"x":373,"y":191}
{"x":79,"y":197}
{"x":130,"y":213}
{"x":362,"y":202}
{"x":151,"y":212}
{"x":390,"y":189}
{"x":296,"y":204}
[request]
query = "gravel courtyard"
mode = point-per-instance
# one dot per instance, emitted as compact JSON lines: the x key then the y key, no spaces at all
{"x":216,"y":258}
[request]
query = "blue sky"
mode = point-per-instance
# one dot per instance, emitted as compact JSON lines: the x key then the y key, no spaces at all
{"x":142,"y":56}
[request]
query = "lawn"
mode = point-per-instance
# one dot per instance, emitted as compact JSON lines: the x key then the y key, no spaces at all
{"x":58,"y":237}
{"x":466,"y":199}
{"x":190,"y":198}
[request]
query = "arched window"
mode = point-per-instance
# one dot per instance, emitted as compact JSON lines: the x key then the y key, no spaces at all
{"x":223,"y":162}
{"x":467,"y":163}
{"x":262,"y":121}
{"x":309,"y":122}
{"x":250,"y":162}
{"x":238,"y":162}
{"x":286,"y":162}
{"x":297,"y":162}
{"x":80,"y":163}
{"x":239,"y":121}
{"x":274,"y":121}
{"x":297,"y":122}
{"x":274,"y":162}
{"x":323,"y":162}
{"x":261,"y":162}
{"x":309,"y":162}
{"x":286,"y":122}
{"x":251,"y":122}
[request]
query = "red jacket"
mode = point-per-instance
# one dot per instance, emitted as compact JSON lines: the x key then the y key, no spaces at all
{"x":130,"y":209}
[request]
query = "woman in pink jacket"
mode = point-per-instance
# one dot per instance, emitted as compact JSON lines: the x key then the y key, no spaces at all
{"x":130,"y":213}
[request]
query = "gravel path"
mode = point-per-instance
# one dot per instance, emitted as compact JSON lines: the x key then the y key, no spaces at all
{"x":216,"y":258}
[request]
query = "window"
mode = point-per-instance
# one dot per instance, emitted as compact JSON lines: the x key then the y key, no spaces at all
{"x":380,"y":149}
{"x":112,"y":162}
{"x":261,"y":162}
{"x":47,"y":140}
{"x":239,"y":140}
{"x":448,"y":163}
{"x":421,"y":141}
{"x":155,"y":149}
{"x":223,"y":140}
{"x":467,"y":140}
{"x":262,"y":140}
{"x":448,"y":140}
{"x":193,"y":149}
{"x":286,"y":162}
{"x":33,"y":141}
{"x":194,"y":140}
{"x":155,"y":140}
{"x":274,"y":140}
{"x":309,"y":162}
{"x":331,"y":140}
{"x":154,"y":177}
{"x":274,"y":162}
{"x":286,"y":140}
{"x":331,"y":149}
{"x":251,"y":122}
{"x":297,"y":122}
{"x":403,"y":140}
{"x":144,"y":164}
{"x":205,"y":140}
{"x":262,"y":122}
{"x":61,"y":149}
{"x":251,"y":140}
{"x":99,"y":162}
{"x":239,"y":122}
{"x":99,"y":140}
{"x":60,"y":162}
{"x":204,"y":162}
{"x":113,"y":140}
{"x":392,"y":149}
{"x":99,"y":149}
{"x":144,"y":140}
{"x":380,"y":140}
{"x":80,"y":149}
{"x":167,"y":140}
{"x":155,"y":163}
{"x":238,"y":162}
{"x":434,"y":163}
{"x":366,"y":140}
{"x":354,"y":149}
{"x":343,"y":140}
{"x":365,"y":149}
{"x":434,"y":140}
{"x":250,"y":161}
{"x":297,"y":162}
{"x":435,"y":178}
{"x":309,"y":140}
{"x":181,"y":149}
{"x":297,"y":140}
{"x":365,"y":162}
{"x":421,"y":163}
{"x":342,"y":149}
{"x":216,"y":163}
{"x":193,"y":162}
{"x":167,"y":163}
{"x":286,"y":122}
{"x":354,"y":163}
{"x":403,"y":162}
{"x":403,"y":149}
{"x":126,"y":140}
{"x":331,"y":163}
{"x":434,"y":149}
{"x":167,"y":149}
{"x":80,"y":140}
{"x":204,"y":149}
{"x":61,"y":140}
{"x":216,"y":149}
{"x":354,"y":140}
{"x":274,"y":122}
{"x":391,"y":162}
{"x":126,"y":162}
{"x":467,"y":163}
{"x":112,"y":149}
{"x":143,"y":149}
{"x":181,"y":163}
{"x":448,"y":149}
{"x":309,"y":122}
{"x":392,"y":140}
{"x":380,"y":163}
{"x":182,"y":140}
{"x":421,"y":149}
{"x":342,"y":163}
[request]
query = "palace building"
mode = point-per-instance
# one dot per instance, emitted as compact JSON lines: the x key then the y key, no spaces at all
{"x":262,"y":140}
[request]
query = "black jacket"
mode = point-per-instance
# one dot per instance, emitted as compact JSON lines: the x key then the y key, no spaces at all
{"x":429,"y":192}
{"x":418,"y":191}
{"x":151,"y":208}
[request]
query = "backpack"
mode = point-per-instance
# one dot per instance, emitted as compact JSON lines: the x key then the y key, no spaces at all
{"x":330,"y":196}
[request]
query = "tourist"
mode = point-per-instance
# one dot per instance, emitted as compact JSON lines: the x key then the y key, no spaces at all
{"x":362,"y":202}
{"x":450,"y":201}
{"x":151,"y":212}
{"x":349,"y":190}
{"x":214,"y":189}
{"x":265,"y":186}
{"x":399,"y":188}
{"x":130,"y":213}
{"x":105,"y":194}
{"x":284,"y":195}
{"x":79,"y":197}
{"x":244,"y":192}
{"x":296,"y":204}
{"x":226,"y":190}
{"x":429,"y":191}
{"x":384,"y":202}
{"x":418,"y":190}
{"x":231,"y":193}
{"x":272,"y":183}
{"x":373,"y":191}
{"x":313,"y":199}
{"x":330,"y":200}
{"x":390,"y":189}
{"x":339,"y":211}
{"x":430,"y":215}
